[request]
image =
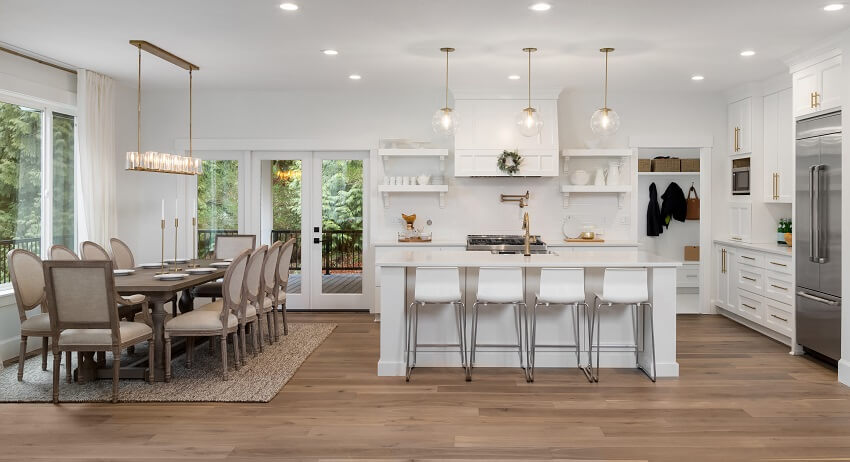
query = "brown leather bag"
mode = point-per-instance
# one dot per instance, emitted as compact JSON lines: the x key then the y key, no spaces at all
{"x":693,"y":205}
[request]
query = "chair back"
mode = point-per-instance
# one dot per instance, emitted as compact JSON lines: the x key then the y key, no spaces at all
{"x":90,"y":251}
{"x":283,"y":264}
{"x":270,"y":268}
{"x":254,"y":282}
{"x":562,"y":285}
{"x":27,"y":274}
{"x":81,"y":295}
{"x":233,"y":286}
{"x":500,"y":284}
{"x":122,"y":256}
{"x":437,"y":285}
{"x":60,"y":252}
{"x":231,"y":245}
{"x":625,"y":285}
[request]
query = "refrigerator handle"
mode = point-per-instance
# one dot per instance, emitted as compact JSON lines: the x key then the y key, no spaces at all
{"x":818,"y":216}
{"x":817,"y":299}
{"x":813,"y":240}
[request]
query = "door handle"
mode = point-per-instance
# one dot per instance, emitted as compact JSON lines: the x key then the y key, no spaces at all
{"x":817,"y":299}
{"x":317,"y":240}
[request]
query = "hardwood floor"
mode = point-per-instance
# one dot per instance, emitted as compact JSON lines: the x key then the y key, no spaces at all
{"x":740,"y":397}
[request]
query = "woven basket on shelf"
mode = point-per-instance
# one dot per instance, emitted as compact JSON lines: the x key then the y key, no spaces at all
{"x":644,"y":165}
{"x":690,"y":165}
{"x":666,"y":165}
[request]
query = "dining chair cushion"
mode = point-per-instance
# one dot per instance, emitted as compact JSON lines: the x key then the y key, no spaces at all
{"x":215,"y":306}
{"x":199,"y":320}
{"x":131,"y":332}
{"x":37,"y":323}
{"x":135,"y":298}
{"x":268,"y":303}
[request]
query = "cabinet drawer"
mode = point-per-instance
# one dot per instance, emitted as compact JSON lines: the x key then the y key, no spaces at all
{"x":750,"y":258}
{"x":778,"y":264}
{"x":779,"y":287}
{"x":687,"y":276}
{"x":750,"y":278}
{"x":779,"y":317}
{"x":751,"y":306}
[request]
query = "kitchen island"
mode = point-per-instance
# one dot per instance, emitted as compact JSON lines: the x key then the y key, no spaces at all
{"x":436,"y":325}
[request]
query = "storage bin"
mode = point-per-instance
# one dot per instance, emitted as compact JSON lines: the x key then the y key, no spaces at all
{"x":690,"y":165}
{"x":691,"y":253}
{"x":666,"y":165}
{"x":644,"y":165}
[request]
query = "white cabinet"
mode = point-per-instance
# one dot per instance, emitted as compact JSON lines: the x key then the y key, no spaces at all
{"x":740,"y":221}
{"x":724,"y":295}
{"x":740,"y":123}
{"x":488,"y":127}
{"x":818,"y":87}
{"x":778,"y":147}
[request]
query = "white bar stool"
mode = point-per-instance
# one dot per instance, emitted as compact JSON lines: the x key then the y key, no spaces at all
{"x":559,"y":287}
{"x":435,"y":286}
{"x":499,"y":286}
{"x":624,"y":286}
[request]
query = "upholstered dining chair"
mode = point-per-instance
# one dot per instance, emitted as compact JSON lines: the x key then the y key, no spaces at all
{"x":216,"y":319}
{"x":93,"y":251}
{"x":60,"y":252}
{"x":122,"y":256}
{"x":282,"y":278}
{"x":84,"y":315}
{"x":226,"y":246}
{"x":129,"y":305}
{"x":28,"y":283}
{"x":268,"y":308}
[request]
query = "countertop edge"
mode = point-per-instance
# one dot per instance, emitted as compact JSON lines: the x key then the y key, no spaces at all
{"x":761,"y":247}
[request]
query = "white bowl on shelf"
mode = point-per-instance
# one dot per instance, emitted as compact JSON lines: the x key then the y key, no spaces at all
{"x":579,"y":177}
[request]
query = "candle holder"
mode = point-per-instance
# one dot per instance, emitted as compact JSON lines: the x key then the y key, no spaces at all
{"x":176,"y":264}
{"x":162,"y":269}
{"x":193,"y":263}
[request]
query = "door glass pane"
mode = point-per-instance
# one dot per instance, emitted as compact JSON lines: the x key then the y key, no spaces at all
{"x":20,"y":182}
{"x":63,"y":180}
{"x":286,"y":214}
{"x":342,"y":226}
{"x":218,"y":203}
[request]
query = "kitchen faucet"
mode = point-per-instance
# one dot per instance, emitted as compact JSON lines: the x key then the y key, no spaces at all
{"x":526,"y":249}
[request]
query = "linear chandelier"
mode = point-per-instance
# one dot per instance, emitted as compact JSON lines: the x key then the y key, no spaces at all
{"x":162,"y":162}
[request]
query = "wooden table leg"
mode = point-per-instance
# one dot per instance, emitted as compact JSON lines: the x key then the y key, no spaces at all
{"x":86,"y":367}
{"x":158,"y":317}
{"x":187,"y":301}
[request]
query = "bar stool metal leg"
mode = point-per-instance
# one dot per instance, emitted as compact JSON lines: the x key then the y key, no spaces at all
{"x":648,"y":306}
{"x":408,"y":335}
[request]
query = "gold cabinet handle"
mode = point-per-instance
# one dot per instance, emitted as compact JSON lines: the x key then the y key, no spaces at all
{"x":748,"y":258}
{"x":723,"y":260}
{"x":817,"y":99}
{"x":748,"y":278}
{"x":779,"y":317}
{"x":777,"y":263}
{"x":748,"y":306}
{"x":779,"y":287}
{"x":775,"y":186}
{"x":812,"y":100}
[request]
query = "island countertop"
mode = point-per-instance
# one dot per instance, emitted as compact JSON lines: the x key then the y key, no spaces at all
{"x":581,"y":259}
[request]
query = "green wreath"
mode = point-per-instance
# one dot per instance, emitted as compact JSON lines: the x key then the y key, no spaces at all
{"x":509,"y":162}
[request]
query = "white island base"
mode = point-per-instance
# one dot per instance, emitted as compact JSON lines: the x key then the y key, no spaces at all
{"x":496,"y":323}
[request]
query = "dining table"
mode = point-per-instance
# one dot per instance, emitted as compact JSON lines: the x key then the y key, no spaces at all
{"x":161,"y":291}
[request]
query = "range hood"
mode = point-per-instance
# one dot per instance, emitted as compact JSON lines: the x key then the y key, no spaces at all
{"x":488,"y":127}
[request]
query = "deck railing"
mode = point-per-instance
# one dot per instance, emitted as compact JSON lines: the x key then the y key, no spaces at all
{"x":342,"y":250}
{"x":33,"y":244}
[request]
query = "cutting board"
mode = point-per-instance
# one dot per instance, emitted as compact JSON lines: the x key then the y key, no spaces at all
{"x":573,"y":239}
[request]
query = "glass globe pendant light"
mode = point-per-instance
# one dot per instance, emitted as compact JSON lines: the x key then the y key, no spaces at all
{"x":445,"y":120}
{"x":605,"y":121}
{"x":528,"y":120}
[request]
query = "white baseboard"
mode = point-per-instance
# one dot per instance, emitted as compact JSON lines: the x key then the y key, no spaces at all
{"x":9,"y":348}
{"x":844,"y":371}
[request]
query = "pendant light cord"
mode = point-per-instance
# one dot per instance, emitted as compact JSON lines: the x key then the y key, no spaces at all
{"x":447,"y":78}
{"x":605,"y":98}
{"x":529,"y":77}
{"x":190,"y":112}
{"x":139,"y":107}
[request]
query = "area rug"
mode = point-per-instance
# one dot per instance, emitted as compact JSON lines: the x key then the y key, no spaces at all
{"x":258,"y":381}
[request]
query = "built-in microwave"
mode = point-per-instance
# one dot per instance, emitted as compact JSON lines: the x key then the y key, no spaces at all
{"x":741,"y":177}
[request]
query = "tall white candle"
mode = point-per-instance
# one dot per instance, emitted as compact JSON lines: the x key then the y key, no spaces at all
{"x":195,"y":209}
{"x":175,"y":209}
{"x":163,"y":209}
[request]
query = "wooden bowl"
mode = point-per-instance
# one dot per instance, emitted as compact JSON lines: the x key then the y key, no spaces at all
{"x":788,"y":239}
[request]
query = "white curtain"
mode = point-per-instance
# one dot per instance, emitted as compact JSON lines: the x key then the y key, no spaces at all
{"x":97,"y":214}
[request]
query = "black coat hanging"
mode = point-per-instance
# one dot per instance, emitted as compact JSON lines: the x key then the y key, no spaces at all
{"x":654,"y":221}
{"x":673,"y":205}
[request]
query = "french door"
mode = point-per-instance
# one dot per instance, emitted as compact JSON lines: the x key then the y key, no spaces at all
{"x":319,"y":200}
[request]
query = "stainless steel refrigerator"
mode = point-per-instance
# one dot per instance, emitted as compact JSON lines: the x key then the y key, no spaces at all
{"x":817,"y":229}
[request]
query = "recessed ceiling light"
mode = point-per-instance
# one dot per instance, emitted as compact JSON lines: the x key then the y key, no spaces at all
{"x":330,"y":52}
{"x":834,"y":7}
{"x":354,"y":77}
{"x":541,"y":6}
{"x":697,"y":77}
{"x":513,"y":77}
{"x":747,"y":53}
{"x":288,"y":6}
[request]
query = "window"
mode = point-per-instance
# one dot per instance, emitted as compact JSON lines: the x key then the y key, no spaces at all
{"x":31,"y":139}
{"x":218,"y":203}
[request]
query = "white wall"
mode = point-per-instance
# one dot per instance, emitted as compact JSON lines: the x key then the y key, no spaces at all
{"x":844,"y":363}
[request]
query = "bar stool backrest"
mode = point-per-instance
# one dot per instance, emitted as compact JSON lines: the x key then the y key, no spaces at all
{"x":437,"y":284}
{"x":500,"y":285}
{"x":625,"y":285}
{"x":562,"y":285}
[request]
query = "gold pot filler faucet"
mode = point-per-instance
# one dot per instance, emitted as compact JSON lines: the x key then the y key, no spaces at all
{"x":523,"y":202}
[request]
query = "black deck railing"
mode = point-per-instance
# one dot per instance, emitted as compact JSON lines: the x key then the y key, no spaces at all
{"x":342,"y":250}
{"x":33,"y":244}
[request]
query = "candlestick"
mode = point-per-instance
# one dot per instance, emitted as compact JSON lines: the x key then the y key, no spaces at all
{"x":176,"y":267}
{"x":194,"y":242}
{"x":162,"y":269}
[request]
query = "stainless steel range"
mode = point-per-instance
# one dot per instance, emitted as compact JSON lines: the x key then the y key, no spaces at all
{"x":507,"y":244}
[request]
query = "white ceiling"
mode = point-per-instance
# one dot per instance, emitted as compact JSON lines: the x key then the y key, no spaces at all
{"x":253,"y":44}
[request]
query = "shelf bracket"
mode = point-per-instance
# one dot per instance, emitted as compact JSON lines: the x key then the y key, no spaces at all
{"x":621,"y":200}
{"x":385,"y":160}
{"x":442,"y":164}
{"x":386,"y":197}
{"x":566,"y":199}
{"x":442,"y":200}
